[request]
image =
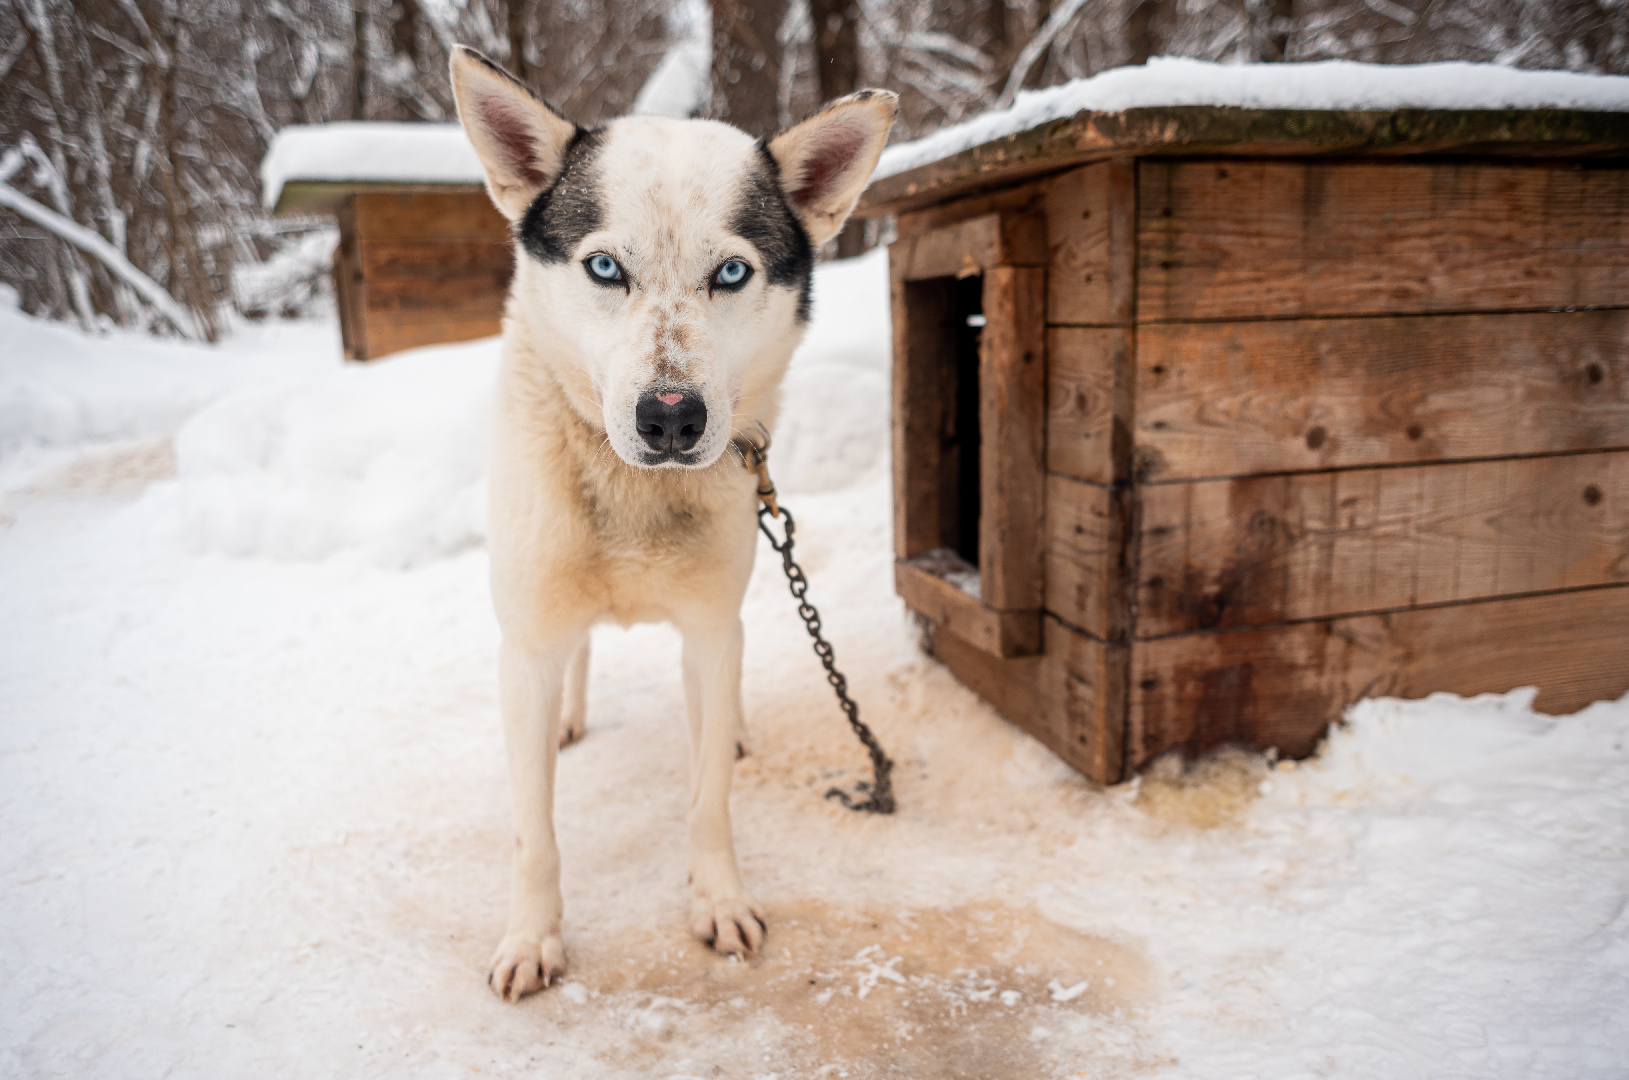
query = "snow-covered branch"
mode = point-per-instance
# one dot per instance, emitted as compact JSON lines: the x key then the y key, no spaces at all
{"x":93,"y":245}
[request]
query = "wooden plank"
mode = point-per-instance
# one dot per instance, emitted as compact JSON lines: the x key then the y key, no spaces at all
{"x":1246,"y":239}
{"x":922,"y":406}
{"x":489,"y":261}
{"x":467,"y":294}
{"x":1282,"y":686}
{"x":1091,"y":223}
{"x":314,"y":197}
{"x":350,"y":288}
{"x":1087,"y":577}
{"x":1072,"y":699}
{"x":1083,"y":702}
{"x":1244,"y":552}
{"x":1188,"y":130}
{"x":429,"y":216}
{"x":1010,"y":685}
{"x":1012,"y":437}
{"x":391,"y":336}
{"x":973,"y":246}
{"x":1223,"y":399}
{"x":1090,"y":387}
{"x":999,"y":633}
{"x":1028,"y":200}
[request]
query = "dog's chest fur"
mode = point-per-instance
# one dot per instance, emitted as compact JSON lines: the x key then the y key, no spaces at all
{"x":588,"y":536}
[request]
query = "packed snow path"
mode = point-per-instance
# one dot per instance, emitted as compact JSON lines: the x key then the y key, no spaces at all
{"x":256,"y":819}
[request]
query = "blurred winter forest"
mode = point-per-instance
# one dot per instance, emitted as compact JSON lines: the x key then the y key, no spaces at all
{"x":131,"y":130}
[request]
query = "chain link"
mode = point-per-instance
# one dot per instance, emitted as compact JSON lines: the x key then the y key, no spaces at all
{"x":881,"y":788}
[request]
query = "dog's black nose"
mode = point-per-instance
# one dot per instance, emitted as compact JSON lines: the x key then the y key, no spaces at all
{"x":671,"y":421}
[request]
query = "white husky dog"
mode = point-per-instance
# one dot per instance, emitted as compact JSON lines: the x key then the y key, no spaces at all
{"x":662,"y":276}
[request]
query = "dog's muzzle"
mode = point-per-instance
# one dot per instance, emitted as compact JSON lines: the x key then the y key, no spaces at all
{"x":671,"y":422}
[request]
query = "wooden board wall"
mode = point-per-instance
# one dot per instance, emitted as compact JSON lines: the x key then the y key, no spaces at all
{"x":1282,"y":685}
{"x":1255,"y":239}
{"x":1239,"y":398}
{"x":1381,"y":443}
{"x":421,"y":268}
{"x":1317,"y":430}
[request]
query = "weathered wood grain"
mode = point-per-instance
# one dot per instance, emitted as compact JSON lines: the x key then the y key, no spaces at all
{"x":1228,"y":553}
{"x":997,"y":632}
{"x":1072,"y":699}
{"x":1012,"y":437}
{"x":1092,"y":230}
{"x":350,"y":289}
{"x":1086,"y":573}
{"x":1247,"y":239}
{"x":1028,"y":199}
{"x":1231,"y":399}
{"x":1281,"y":686}
{"x":923,"y":400}
{"x":1082,"y":714}
{"x":1202,"y":129}
{"x":1090,"y":387}
{"x":488,"y":261}
{"x":422,"y":215}
{"x":388,"y":335}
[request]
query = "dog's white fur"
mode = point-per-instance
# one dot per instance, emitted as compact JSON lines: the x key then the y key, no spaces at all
{"x":582,"y":530}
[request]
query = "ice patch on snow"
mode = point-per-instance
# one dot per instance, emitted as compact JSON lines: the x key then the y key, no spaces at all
{"x":1326,"y":84}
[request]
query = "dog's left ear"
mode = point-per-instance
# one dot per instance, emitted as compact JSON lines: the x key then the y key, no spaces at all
{"x":826,"y":161}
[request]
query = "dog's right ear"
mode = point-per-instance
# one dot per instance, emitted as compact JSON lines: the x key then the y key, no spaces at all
{"x":521,"y":141}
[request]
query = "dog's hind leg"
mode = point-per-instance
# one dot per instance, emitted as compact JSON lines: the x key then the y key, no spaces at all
{"x":721,"y":912}
{"x":574,"y":711}
{"x":532,"y":681}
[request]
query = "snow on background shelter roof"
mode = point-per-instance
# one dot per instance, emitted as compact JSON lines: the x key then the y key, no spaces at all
{"x":368,"y":152}
{"x":1328,"y":84}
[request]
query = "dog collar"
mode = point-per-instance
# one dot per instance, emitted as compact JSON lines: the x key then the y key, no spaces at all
{"x":754,"y":451}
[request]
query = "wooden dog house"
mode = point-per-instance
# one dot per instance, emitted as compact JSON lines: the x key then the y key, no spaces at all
{"x":1210,"y":421}
{"x":424,"y":257}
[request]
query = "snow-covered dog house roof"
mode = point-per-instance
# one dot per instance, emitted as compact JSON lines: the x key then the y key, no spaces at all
{"x":309,"y":168}
{"x":423,"y":256}
{"x":1224,"y":396}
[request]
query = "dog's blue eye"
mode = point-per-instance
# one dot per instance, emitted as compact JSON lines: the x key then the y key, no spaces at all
{"x":604,"y":267}
{"x":733,"y":272}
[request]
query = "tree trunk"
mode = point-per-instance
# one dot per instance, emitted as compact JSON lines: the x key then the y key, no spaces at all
{"x":359,"y":60}
{"x":1280,"y":22}
{"x":515,"y":14}
{"x":1148,"y":28}
{"x":837,"y":61}
{"x":746,"y":78}
{"x":1037,"y":70}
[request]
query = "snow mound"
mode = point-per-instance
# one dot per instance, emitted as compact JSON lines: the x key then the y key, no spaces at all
{"x":1327,"y":84}
{"x":833,"y":424}
{"x":389,"y":458}
{"x":356,"y":150}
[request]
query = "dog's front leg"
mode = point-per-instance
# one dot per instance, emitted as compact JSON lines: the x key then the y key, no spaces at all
{"x":531,"y":682}
{"x":721,"y":912}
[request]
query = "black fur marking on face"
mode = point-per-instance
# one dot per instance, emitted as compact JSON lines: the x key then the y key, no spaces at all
{"x":764,"y":219}
{"x":568,"y":209}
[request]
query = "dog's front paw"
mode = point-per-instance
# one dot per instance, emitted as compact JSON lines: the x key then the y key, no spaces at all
{"x":732,"y":925}
{"x":522,"y":966}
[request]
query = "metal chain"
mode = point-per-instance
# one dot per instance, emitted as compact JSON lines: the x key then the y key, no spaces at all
{"x":881,"y":788}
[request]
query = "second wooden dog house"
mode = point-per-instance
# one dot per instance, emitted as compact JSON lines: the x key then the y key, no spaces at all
{"x":424,"y":257}
{"x":1210,"y":421}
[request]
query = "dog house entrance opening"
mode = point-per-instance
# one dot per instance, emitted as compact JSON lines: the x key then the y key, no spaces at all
{"x":961,"y":455}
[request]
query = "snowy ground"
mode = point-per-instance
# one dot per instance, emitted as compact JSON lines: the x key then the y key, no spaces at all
{"x":256,"y":824}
